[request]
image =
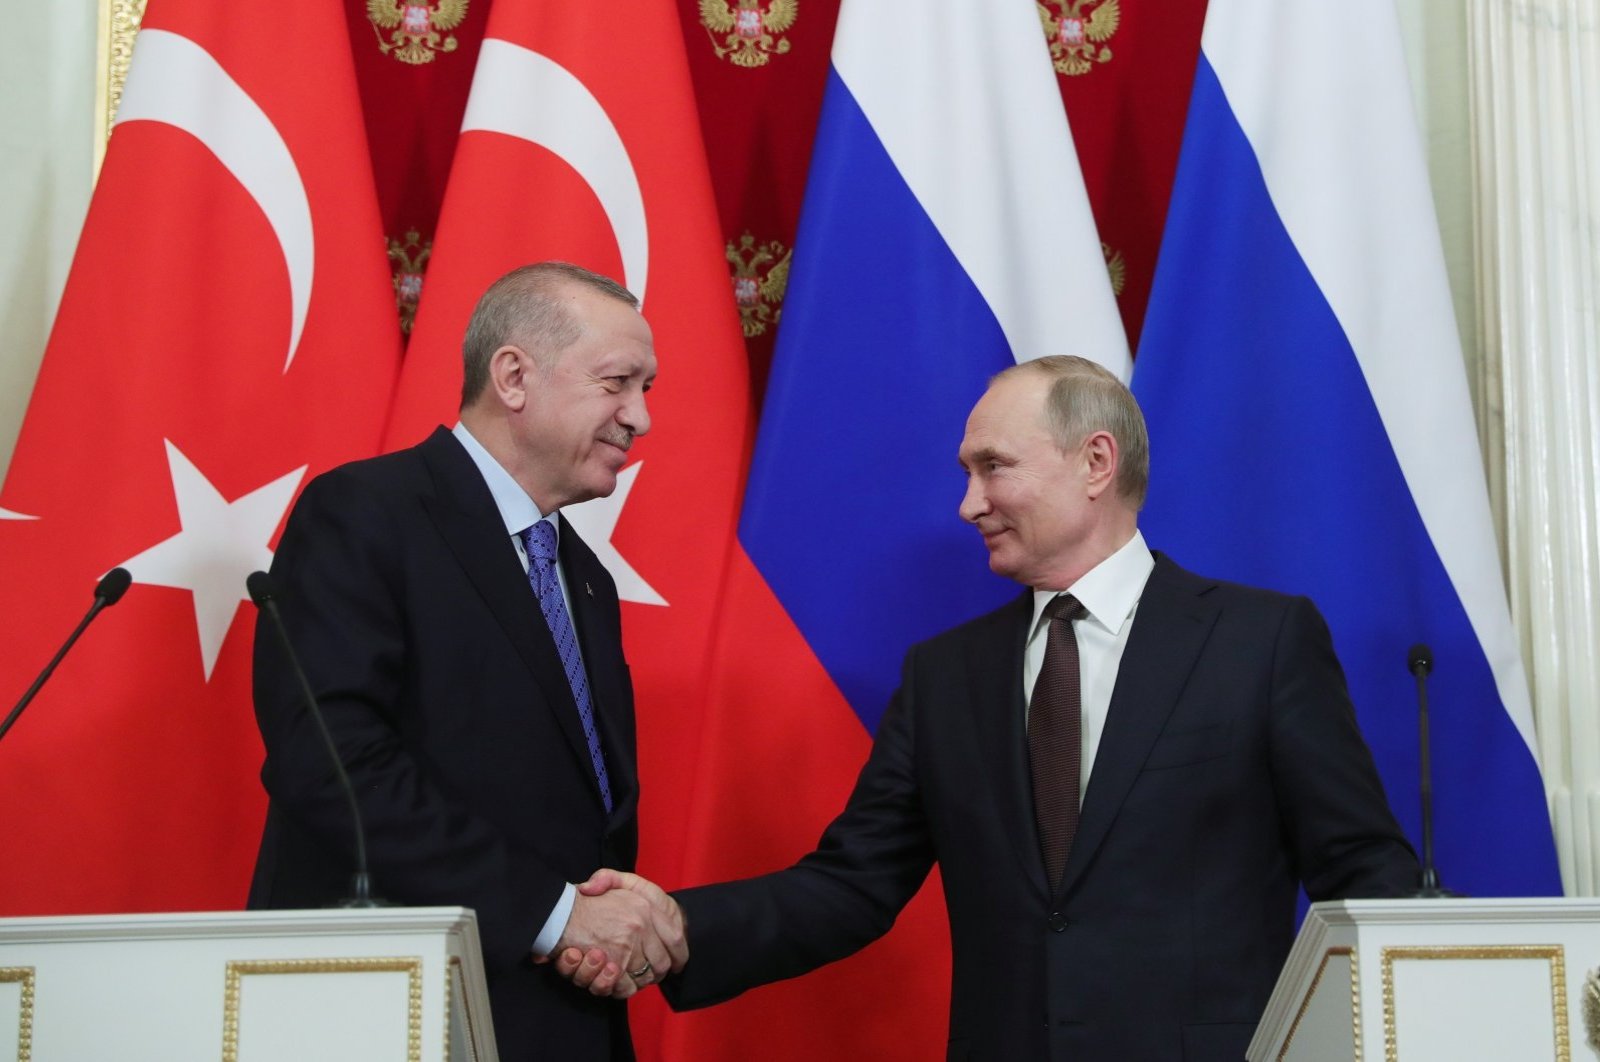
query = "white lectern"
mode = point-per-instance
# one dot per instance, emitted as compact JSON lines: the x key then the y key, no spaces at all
{"x":265,"y":986}
{"x":1418,"y":980}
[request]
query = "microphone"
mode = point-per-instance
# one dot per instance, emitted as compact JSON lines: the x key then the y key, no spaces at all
{"x":260,"y":587}
{"x":107,"y":592}
{"x":1419,"y":661}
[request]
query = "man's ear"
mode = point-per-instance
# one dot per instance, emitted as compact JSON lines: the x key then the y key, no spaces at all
{"x":1100,"y":454}
{"x":509,"y":368}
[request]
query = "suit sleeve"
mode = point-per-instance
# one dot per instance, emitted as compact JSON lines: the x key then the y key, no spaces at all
{"x":337,"y":575}
{"x":1344,"y":838}
{"x":838,"y":899}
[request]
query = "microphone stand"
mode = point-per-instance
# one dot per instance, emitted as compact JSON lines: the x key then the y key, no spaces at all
{"x":1420,"y":662}
{"x":107,"y":592}
{"x":260,"y":588}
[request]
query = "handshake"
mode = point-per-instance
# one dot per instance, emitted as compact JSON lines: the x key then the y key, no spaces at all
{"x":624,"y":933}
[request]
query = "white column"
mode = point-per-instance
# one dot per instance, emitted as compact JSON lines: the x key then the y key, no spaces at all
{"x":1535,"y":83}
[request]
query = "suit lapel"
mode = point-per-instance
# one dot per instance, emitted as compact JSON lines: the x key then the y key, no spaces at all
{"x":593,"y":601}
{"x":1170,"y":627}
{"x":464,"y":512}
{"x":994,"y":667}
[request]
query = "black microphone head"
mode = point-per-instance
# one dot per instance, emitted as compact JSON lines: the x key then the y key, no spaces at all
{"x":259,"y":584}
{"x":1420,"y":659}
{"x":112,"y":585}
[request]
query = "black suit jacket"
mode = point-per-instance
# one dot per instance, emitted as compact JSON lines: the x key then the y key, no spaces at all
{"x":1230,"y":770}
{"x":442,"y":687}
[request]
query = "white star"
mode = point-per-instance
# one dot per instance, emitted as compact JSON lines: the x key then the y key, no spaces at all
{"x":595,"y":520}
{"x":221,"y":543}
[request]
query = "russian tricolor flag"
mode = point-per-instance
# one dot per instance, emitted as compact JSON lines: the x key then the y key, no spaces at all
{"x":945,"y":234}
{"x":1310,"y":423}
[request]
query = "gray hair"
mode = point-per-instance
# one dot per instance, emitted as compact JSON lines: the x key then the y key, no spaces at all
{"x":1085,"y":398}
{"x":523,"y":308}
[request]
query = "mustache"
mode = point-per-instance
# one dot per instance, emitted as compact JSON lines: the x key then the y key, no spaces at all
{"x":621,"y":438}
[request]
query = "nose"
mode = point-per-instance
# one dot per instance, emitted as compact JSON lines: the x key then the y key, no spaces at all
{"x":635,"y":414}
{"x":974,"y":503}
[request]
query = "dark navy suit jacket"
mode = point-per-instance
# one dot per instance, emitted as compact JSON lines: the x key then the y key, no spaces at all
{"x":1230,"y":771}
{"x":425,"y":645}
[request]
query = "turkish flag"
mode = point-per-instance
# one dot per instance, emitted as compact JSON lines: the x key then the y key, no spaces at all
{"x":230,"y":315}
{"x":581,"y":143}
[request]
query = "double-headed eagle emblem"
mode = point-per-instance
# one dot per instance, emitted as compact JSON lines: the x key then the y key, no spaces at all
{"x":760,"y":275}
{"x":1077,"y":36}
{"x":752,"y":30}
{"x":409,"y":258}
{"x":418,"y":30}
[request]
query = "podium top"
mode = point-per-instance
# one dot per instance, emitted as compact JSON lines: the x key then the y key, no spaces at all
{"x":1456,"y":910}
{"x":322,"y":922}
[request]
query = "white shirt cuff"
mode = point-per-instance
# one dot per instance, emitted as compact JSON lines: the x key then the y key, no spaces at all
{"x":556,"y":924}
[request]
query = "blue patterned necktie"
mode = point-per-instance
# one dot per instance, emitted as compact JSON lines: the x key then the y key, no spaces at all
{"x":540,"y":541}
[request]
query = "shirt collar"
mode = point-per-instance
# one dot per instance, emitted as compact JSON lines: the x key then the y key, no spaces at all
{"x":516,"y":508}
{"x":1109,"y":590}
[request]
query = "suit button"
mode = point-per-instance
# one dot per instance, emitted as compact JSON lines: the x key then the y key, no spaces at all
{"x":1058,"y":922}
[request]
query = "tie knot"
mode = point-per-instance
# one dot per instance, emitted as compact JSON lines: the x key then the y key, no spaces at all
{"x":540,"y":542}
{"x":1065,"y":607}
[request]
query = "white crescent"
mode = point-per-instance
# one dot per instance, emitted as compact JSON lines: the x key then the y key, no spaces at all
{"x":521,"y":93}
{"x":175,"y":81}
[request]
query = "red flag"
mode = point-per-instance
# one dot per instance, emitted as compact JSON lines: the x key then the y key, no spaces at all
{"x":227,"y":332}
{"x":581,"y":143}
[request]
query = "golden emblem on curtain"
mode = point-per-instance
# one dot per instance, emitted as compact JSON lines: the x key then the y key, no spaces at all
{"x":410,"y":256}
{"x":1078,"y":31}
{"x":751,"y":32}
{"x":1116,"y":266}
{"x":760,"y":275}
{"x":417,"y":31}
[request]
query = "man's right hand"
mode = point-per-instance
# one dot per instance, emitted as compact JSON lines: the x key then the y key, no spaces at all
{"x":634,"y":913}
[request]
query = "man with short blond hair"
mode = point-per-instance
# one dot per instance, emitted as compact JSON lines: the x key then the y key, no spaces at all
{"x":1124,"y":775}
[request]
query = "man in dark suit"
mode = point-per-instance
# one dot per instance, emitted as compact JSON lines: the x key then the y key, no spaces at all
{"x":1123,"y":775}
{"x":465,"y":646}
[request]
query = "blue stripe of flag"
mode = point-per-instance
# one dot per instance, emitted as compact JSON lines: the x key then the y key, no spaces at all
{"x":1270,"y":465}
{"x":850,"y":512}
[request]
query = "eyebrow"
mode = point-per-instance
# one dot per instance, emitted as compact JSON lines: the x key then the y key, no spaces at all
{"x":987,"y":453}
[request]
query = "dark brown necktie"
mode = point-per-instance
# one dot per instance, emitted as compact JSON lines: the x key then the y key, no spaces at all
{"x":1055,"y":723}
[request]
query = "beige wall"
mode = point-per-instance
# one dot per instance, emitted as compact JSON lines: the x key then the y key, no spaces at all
{"x":47,"y":89}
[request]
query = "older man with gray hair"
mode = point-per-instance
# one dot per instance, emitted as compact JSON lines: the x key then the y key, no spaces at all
{"x":466,"y":648}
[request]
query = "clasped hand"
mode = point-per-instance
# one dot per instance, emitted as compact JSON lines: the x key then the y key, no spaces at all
{"x":624,"y":933}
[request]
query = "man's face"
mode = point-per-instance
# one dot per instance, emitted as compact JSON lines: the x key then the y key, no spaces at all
{"x":1027,"y":498}
{"x":586,"y":405}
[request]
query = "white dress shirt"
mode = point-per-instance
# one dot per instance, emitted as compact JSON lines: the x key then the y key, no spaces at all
{"x":1110,"y":592}
{"x":519,"y":513}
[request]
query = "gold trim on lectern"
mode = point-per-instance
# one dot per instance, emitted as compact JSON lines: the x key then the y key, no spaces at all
{"x":412,"y":966}
{"x":1305,"y":1001}
{"x":449,"y":990}
{"x":22,"y":975}
{"x":452,"y":975}
{"x":1558,"y":984}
